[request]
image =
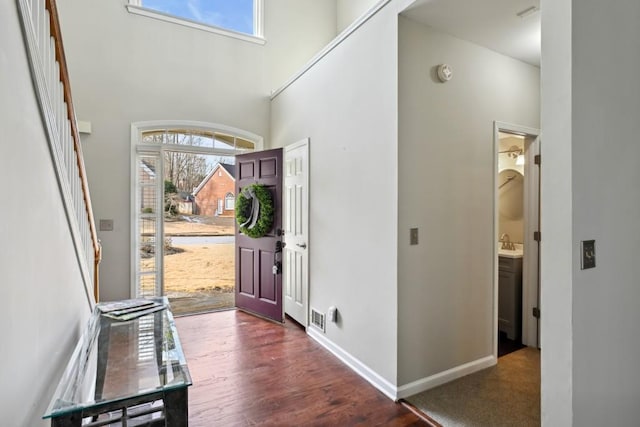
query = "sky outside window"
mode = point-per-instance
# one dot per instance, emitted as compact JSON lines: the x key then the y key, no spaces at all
{"x":236,"y":15}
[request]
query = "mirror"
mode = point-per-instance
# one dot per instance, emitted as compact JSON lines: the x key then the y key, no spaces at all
{"x":511,"y":194}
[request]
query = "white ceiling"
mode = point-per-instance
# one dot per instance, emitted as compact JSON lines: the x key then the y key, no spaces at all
{"x":490,"y":23}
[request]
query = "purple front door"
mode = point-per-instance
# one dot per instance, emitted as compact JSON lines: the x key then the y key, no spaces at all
{"x":258,"y":262}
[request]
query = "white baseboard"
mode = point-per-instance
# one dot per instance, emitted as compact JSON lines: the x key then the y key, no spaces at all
{"x":390,"y":390}
{"x":444,"y":377}
{"x":360,"y":368}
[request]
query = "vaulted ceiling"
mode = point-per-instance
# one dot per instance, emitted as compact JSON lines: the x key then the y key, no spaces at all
{"x":510,"y":27}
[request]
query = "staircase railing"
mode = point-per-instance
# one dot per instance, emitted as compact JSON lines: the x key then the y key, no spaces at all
{"x":43,"y":39}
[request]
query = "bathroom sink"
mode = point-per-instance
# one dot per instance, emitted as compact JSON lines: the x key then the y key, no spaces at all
{"x":515,"y":253}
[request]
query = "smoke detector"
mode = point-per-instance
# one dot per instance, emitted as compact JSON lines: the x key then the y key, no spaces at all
{"x":444,"y":73}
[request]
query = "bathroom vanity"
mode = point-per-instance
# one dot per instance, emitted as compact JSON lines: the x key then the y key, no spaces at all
{"x":510,"y":293}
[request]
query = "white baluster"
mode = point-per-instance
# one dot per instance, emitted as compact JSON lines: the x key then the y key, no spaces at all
{"x":37,"y":21}
{"x":45,"y":33}
{"x":76,"y":190}
{"x":78,"y":203}
{"x":47,"y":65}
{"x":52,"y":89}
{"x":62,"y":106}
{"x":53,"y":64}
{"x":33,"y":10}
{"x":68,"y":144}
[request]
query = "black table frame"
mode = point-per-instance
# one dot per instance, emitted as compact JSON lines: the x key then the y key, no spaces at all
{"x":175,"y":400}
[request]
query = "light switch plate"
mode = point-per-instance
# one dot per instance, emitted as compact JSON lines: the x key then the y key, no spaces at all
{"x":588,"y":254}
{"x":106,"y":225}
{"x":413,"y":236}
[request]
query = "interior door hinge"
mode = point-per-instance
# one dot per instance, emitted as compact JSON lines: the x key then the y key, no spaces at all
{"x":537,"y":236}
{"x":536,"y":312}
{"x":537,"y":159}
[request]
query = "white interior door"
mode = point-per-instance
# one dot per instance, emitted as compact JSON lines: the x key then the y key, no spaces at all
{"x":296,"y":231}
{"x":531,"y":262}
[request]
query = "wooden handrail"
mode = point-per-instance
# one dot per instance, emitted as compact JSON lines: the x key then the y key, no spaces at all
{"x":56,"y":33}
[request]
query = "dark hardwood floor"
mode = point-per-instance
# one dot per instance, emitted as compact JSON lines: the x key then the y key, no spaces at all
{"x":247,"y":371}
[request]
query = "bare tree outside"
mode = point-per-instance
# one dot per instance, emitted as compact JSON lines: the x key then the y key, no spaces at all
{"x":185,"y":170}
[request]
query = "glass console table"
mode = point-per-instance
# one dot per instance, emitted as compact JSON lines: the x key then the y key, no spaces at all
{"x":124,"y":373}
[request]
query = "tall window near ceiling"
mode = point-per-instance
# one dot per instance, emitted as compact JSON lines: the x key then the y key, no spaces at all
{"x":235,"y":16}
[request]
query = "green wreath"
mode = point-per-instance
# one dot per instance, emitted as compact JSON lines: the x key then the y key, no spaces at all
{"x":249,"y":224}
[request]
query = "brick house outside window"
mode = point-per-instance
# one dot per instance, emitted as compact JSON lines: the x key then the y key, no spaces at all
{"x":214,"y":196}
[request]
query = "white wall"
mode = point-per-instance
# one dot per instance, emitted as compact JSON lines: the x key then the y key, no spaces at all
{"x":350,"y":10}
{"x":126,"y":68}
{"x":590,"y":180}
{"x":606,"y":202}
{"x":445,"y":188}
{"x":45,"y":306}
{"x":346,"y":104}
{"x":295,"y":30}
{"x":557,"y":246}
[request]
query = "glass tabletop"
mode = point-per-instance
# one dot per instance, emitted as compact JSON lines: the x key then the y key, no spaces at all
{"x":117,"y":360}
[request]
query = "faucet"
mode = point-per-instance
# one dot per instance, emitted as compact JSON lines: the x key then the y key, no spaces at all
{"x":506,"y":242}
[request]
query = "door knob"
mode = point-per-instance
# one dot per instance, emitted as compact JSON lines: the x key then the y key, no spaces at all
{"x":301,"y":245}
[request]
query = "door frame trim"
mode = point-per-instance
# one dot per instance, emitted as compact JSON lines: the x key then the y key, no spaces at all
{"x":527,"y":260}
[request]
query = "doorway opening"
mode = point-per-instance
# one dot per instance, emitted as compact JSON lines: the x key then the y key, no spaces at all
{"x":183,"y":213}
{"x":199,"y":240}
{"x":517,"y":208}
